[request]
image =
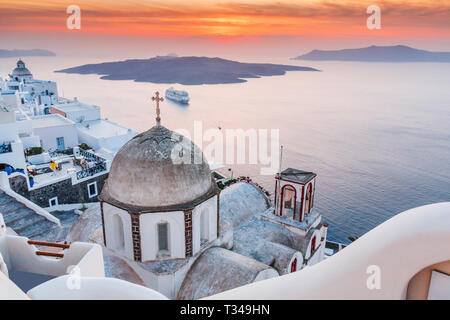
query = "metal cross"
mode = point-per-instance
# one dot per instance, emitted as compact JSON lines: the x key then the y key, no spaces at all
{"x":158,"y":100}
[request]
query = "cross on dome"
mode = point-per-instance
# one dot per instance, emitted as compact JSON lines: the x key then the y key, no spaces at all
{"x":158,"y":100}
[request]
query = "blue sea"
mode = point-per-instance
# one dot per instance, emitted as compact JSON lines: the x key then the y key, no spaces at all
{"x":376,"y":134}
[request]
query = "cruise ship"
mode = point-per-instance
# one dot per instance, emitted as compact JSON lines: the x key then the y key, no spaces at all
{"x":177,"y":95}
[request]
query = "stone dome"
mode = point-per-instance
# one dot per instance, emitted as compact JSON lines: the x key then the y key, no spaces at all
{"x":21,"y":70}
{"x":156,"y":171}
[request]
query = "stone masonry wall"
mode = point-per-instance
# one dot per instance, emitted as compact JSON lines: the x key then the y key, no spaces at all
{"x":64,"y":190}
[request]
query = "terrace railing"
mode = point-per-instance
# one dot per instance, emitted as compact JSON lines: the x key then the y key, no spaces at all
{"x":5,"y":148}
{"x":90,"y":156}
{"x":91,"y":171}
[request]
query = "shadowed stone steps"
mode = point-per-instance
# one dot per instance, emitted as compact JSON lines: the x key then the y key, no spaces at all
{"x":38,"y":228}
{"x":58,"y":233}
{"x":19,"y":225}
{"x":4,"y":198}
{"x":18,"y":214}
{"x":27,"y":223}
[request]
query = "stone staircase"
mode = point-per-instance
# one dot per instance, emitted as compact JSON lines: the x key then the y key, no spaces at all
{"x":27,"y":223}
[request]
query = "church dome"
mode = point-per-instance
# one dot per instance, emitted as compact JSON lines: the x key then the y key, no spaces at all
{"x":21,"y":70}
{"x":148,"y":175}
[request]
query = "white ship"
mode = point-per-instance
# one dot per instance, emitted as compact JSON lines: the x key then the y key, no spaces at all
{"x":177,"y":95}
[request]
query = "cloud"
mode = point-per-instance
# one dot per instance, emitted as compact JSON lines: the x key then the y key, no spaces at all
{"x":223,"y":17}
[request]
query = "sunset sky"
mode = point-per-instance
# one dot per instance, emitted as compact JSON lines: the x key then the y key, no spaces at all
{"x":228,"y":21}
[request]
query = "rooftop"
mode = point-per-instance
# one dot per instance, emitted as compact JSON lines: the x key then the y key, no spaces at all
{"x":38,"y":81}
{"x":8,"y":92}
{"x":297,"y":175}
{"x":310,"y":219}
{"x":51,"y":120}
{"x":102,"y":128}
{"x":75,"y":106}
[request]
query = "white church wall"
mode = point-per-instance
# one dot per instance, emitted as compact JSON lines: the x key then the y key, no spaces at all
{"x":149,"y":234}
{"x":316,"y":254}
{"x":208,"y":212}
{"x":113,"y":238}
{"x":196,"y":225}
{"x":167,"y":284}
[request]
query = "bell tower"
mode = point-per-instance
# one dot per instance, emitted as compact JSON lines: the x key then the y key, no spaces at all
{"x":294,"y":193}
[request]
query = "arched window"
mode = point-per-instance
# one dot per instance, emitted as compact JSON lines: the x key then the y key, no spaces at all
{"x":308,"y":198}
{"x":294,"y":265}
{"x":118,"y":233}
{"x":313,"y":245}
{"x":204,"y":226}
{"x":288,"y":201}
{"x":163,"y":237}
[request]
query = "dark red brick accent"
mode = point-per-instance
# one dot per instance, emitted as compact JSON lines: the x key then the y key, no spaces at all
{"x":136,"y":234}
{"x":188,"y":232}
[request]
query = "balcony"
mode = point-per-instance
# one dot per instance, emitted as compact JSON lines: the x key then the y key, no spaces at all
{"x":79,"y":165}
{"x":91,"y":171}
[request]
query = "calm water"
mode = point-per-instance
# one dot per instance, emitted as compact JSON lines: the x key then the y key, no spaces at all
{"x":377,"y":135}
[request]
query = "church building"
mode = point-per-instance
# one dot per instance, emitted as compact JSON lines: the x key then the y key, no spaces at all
{"x":166,"y":225}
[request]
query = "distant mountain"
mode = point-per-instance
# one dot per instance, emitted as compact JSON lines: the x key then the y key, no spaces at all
{"x":377,"y":54}
{"x":183,"y":70}
{"x":25,"y":53}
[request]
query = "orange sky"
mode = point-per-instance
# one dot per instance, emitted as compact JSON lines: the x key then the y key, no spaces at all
{"x":229,"y":18}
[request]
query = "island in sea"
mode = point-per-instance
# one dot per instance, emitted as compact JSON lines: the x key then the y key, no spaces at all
{"x":25,"y":53}
{"x":397,"y":53}
{"x":184,"y":70}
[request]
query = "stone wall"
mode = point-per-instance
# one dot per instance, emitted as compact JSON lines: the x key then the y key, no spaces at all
{"x":64,"y":190}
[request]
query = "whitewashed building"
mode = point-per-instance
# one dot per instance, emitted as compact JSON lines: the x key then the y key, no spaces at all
{"x":100,"y":134}
{"x":55,"y":132}
{"x":11,"y":146}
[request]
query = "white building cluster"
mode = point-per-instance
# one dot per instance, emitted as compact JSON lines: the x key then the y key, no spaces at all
{"x":40,"y":135}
